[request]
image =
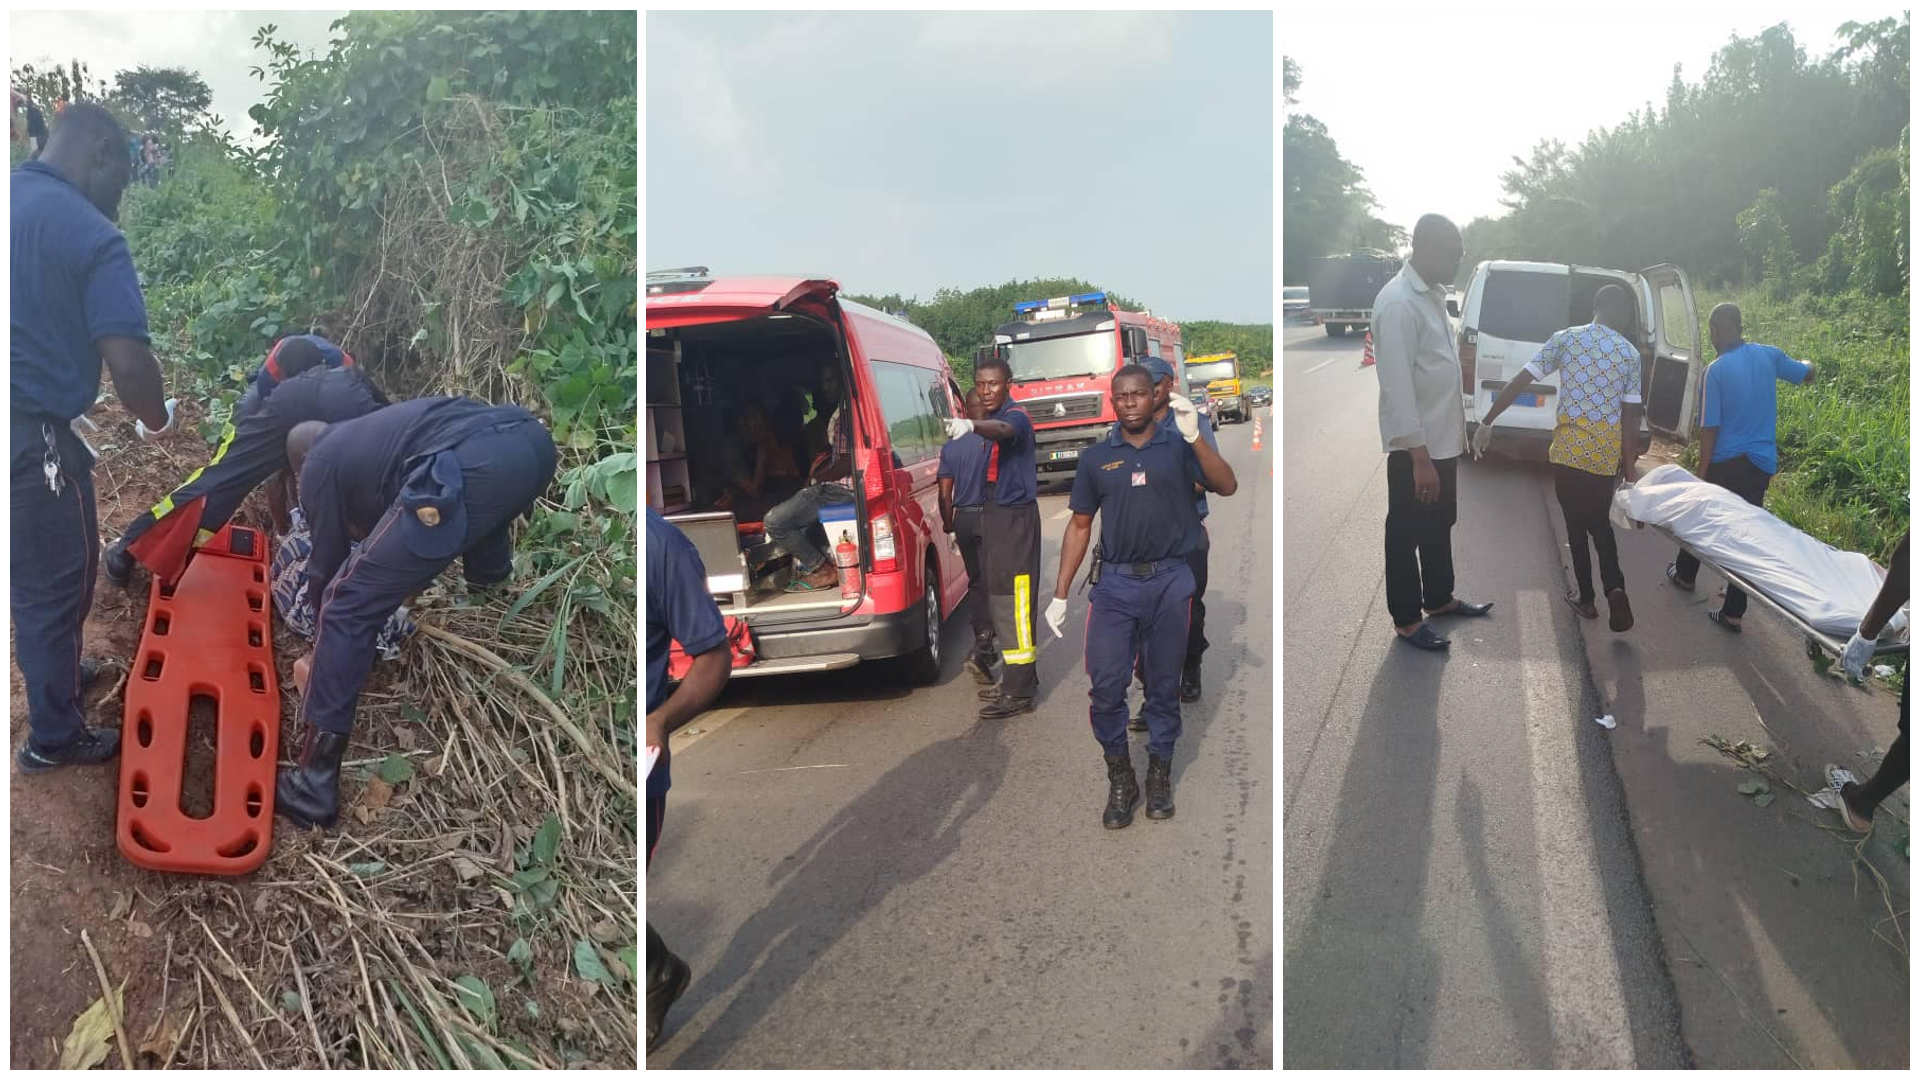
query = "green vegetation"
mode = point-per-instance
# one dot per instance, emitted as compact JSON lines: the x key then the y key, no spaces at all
{"x":963,"y":321}
{"x":452,"y":196}
{"x":1324,"y":199}
{"x":1781,"y":183}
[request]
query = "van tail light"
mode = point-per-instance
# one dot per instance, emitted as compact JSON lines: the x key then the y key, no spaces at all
{"x":1469,"y":352}
{"x":885,"y":558}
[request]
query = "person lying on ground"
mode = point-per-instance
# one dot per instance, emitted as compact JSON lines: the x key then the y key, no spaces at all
{"x":1859,"y":801}
{"x":298,"y":383}
{"x":419,"y":483}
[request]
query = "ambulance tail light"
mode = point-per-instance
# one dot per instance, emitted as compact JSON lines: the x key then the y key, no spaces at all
{"x":885,"y":558}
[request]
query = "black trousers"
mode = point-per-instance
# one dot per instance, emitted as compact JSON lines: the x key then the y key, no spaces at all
{"x":1197,"y":613}
{"x":969,"y":534}
{"x":1745,"y":479}
{"x":1013,"y":591}
{"x":1419,"y":541}
{"x":56,"y":550}
{"x":1584,"y":500}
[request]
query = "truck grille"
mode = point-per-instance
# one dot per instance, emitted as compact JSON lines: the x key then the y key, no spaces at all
{"x":1056,"y":410}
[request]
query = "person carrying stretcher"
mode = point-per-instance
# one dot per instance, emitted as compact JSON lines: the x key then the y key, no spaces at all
{"x":304,"y":378}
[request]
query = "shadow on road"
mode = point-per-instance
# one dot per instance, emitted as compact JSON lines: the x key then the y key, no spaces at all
{"x":830,"y":883}
{"x":1365,"y":923}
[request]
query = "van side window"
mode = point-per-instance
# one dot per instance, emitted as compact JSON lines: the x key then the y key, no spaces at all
{"x":913,"y":427}
{"x":1673,"y":321}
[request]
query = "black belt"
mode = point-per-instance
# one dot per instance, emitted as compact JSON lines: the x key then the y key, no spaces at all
{"x":973,"y":509}
{"x":1148,"y":569}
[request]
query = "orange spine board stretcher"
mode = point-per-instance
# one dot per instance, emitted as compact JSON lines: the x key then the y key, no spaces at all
{"x":211,"y":635}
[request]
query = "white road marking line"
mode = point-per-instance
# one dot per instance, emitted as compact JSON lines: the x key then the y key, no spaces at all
{"x":702,"y":726}
{"x":1585,"y":999}
{"x":792,"y":768}
{"x":1063,"y":515}
{"x":1328,"y":363}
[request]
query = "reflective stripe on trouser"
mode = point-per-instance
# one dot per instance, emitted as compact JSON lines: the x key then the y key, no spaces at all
{"x":505,"y":470}
{"x":1146,"y":617}
{"x":1012,"y":556}
{"x":55,"y":553}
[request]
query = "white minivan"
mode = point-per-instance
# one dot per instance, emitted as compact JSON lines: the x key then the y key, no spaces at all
{"x":1510,"y":310}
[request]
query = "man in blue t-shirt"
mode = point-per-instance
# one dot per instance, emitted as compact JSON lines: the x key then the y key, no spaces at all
{"x":1139,"y":479}
{"x":964,"y":490}
{"x":1011,"y":523}
{"x":1737,"y":421}
{"x":75,"y":302}
{"x":679,"y":608}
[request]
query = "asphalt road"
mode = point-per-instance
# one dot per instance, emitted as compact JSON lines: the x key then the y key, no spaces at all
{"x":1477,"y":874}
{"x":864,"y":875}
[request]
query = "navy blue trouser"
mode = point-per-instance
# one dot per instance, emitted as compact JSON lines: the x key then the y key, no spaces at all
{"x":56,"y":550}
{"x":1148,"y":614}
{"x":504,"y":471}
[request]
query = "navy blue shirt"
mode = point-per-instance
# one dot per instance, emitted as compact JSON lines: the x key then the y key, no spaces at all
{"x":73,"y":284}
{"x":1144,"y":496}
{"x":1018,"y":479}
{"x":964,"y":461}
{"x":1206,"y":432}
{"x":355,"y":470}
{"x":679,"y":608}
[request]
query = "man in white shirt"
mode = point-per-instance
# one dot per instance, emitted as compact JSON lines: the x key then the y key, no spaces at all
{"x":1423,"y":429}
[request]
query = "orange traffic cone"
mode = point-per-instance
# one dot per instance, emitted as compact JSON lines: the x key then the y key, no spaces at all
{"x":1366,"y":358}
{"x":1256,"y":434}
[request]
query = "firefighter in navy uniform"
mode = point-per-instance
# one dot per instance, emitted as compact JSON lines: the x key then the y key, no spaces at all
{"x":1165,"y":387}
{"x":299,"y":382}
{"x":76,"y":303}
{"x":1010,"y":528}
{"x":424,"y":482}
{"x":1139,"y":480}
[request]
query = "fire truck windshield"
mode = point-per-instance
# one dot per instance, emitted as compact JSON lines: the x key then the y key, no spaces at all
{"x":1062,"y":357}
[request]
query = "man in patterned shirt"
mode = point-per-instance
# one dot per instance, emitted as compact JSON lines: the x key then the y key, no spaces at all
{"x":1599,"y":369}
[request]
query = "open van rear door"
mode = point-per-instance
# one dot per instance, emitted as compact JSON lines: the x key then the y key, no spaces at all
{"x":1673,"y":393}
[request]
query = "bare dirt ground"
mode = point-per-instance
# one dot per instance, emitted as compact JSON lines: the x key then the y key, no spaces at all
{"x":345,"y":947}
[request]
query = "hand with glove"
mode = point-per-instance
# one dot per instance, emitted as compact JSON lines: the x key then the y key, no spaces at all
{"x":141,"y":429}
{"x":1855,"y":659}
{"x":1482,"y":438}
{"x":957,"y":428}
{"x":1057,"y":617}
{"x":1185,"y":417}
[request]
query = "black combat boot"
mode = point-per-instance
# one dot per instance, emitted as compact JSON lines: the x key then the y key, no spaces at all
{"x":1139,"y":721}
{"x":119,"y":563}
{"x":1123,"y":792}
{"x":309,"y":793}
{"x":1159,"y":787}
{"x":667,"y":979}
{"x":93,"y":746}
{"x":1003,"y":707}
{"x":1190,"y":682}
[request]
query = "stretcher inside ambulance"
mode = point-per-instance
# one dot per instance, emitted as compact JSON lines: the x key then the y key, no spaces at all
{"x":1823,"y":591}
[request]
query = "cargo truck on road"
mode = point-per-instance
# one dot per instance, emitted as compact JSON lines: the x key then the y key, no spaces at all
{"x":1342,"y":287}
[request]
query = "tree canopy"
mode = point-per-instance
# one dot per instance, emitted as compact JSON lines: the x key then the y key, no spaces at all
{"x":1324,"y":198}
{"x":162,"y":99}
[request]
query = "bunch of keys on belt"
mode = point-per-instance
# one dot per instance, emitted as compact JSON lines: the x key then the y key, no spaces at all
{"x":50,"y":464}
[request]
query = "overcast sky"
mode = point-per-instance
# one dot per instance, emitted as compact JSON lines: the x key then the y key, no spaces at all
{"x":906,"y":152}
{"x":216,"y":44}
{"x":1436,"y":137}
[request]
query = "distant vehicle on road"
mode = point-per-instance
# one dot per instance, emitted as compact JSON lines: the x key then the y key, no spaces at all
{"x":1296,"y":304}
{"x":1510,"y":310}
{"x":1218,"y":376}
{"x":1259,"y":396}
{"x":1342,"y":288}
{"x":1205,"y":408}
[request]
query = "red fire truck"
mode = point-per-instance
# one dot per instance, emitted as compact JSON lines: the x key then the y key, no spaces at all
{"x":1064,"y":352}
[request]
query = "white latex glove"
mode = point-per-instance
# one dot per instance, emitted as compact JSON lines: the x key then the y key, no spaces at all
{"x":957,"y":428}
{"x":141,"y":429}
{"x":1859,"y":652}
{"x":1057,"y":617}
{"x":1482,"y":438}
{"x":1185,"y":417}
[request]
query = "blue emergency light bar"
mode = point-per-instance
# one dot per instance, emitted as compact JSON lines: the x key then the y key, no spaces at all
{"x":1026,"y":306}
